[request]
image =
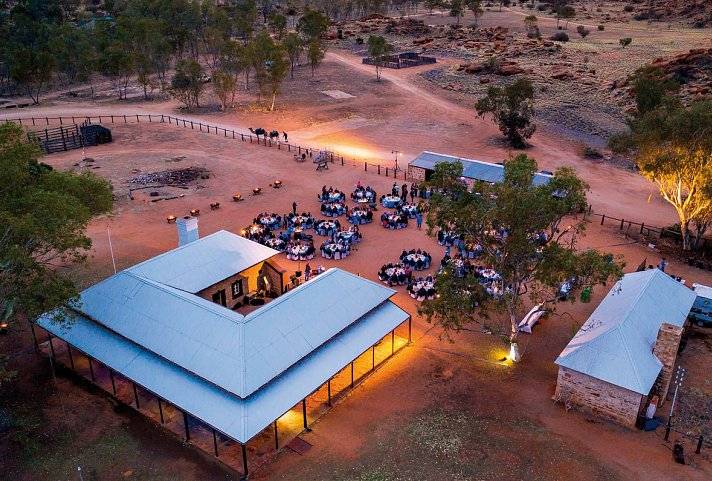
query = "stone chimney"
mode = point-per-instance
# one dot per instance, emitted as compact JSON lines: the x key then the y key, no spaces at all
{"x":187,"y":230}
{"x":665,"y":350}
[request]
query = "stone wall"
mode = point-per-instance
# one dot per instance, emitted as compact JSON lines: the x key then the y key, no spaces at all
{"x":598,"y":397}
{"x":665,"y":349}
{"x":416,"y":173}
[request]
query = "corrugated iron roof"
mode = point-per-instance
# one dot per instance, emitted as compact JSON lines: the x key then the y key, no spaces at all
{"x":203,"y":263}
{"x":616,"y":343}
{"x":240,"y":419}
{"x":472,"y":169}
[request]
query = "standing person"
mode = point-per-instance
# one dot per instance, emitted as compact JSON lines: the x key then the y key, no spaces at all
{"x":404,"y":192}
{"x":307,"y":272}
{"x":663,"y":264}
{"x":294,"y":208}
{"x":284,"y":134}
{"x":418,"y":217}
{"x":413,"y":192}
{"x":394,"y":189}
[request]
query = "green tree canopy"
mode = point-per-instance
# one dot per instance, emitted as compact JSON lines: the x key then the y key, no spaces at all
{"x":312,"y":25}
{"x":187,"y":84}
{"x":525,"y":234}
{"x":378,"y":51}
{"x":512,"y":108}
{"x":43,"y":218}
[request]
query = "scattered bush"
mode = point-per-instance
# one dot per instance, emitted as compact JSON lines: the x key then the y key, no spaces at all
{"x":583,"y":31}
{"x":560,"y":37}
{"x":591,"y":153}
{"x":530,"y":6}
{"x":601,"y":28}
{"x":625,"y":41}
{"x":641,"y":16}
{"x":629,"y":8}
{"x":541,"y":7}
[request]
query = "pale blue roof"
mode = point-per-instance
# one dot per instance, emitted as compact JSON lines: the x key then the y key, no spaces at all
{"x":240,"y":419}
{"x":471,"y":169}
{"x":616,"y":343}
{"x":203,"y":263}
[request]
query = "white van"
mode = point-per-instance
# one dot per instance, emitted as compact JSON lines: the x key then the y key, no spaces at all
{"x":701,"y":312}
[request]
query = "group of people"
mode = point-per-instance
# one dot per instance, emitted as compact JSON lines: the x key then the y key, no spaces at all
{"x":421,"y":289}
{"x":394,"y":274}
{"x":300,"y":250}
{"x":351,"y":236}
{"x":394,"y":220}
{"x":411,"y":210}
{"x":415,"y":259}
{"x":331,"y":195}
{"x":363,"y":194}
{"x":333,"y":209}
{"x":335,"y":250}
{"x":270,"y":220}
{"x":305,"y":220}
{"x":257,"y":232}
{"x":327,"y":227}
{"x":449,"y":238}
{"x":415,"y":191}
{"x":357,"y":216}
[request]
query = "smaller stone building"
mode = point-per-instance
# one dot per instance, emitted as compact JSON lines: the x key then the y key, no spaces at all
{"x":222,"y":267}
{"x":422,"y":167}
{"x":625,"y":352}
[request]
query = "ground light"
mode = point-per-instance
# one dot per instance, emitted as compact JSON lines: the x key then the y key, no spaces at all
{"x":171,"y":218}
{"x":514,"y":354}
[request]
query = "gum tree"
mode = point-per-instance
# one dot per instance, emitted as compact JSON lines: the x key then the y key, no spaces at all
{"x":526,"y":235}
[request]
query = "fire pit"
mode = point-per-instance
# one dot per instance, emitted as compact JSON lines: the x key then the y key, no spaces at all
{"x":171,"y":218}
{"x":256,"y":191}
{"x":237,"y":197}
{"x":277,"y":184}
{"x":214,"y":205}
{"x":195,"y":212}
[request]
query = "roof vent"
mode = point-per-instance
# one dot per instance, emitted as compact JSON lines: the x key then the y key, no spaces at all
{"x":187,"y":230}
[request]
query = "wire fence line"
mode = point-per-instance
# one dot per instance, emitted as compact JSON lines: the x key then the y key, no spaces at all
{"x":264,"y":140}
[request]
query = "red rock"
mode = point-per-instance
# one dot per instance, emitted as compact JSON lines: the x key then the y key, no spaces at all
{"x":507,"y":70}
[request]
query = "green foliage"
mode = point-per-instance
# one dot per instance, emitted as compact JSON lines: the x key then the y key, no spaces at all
{"x":278,"y":24}
{"x":512,"y":108}
{"x":625,"y":41}
{"x":43,"y":216}
{"x":529,"y":265}
{"x":378,"y":51}
{"x":187,"y":84}
{"x":312,"y":25}
{"x":315,"y":54}
{"x":457,"y":9}
{"x":295,"y":47}
{"x":652,"y":88}
{"x":224,"y":86}
{"x":475,"y":7}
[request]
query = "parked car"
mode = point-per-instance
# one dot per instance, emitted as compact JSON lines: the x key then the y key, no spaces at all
{"x":701,"y":312}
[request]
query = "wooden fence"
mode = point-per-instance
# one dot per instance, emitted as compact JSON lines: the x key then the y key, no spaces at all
{"x":232,"y":134}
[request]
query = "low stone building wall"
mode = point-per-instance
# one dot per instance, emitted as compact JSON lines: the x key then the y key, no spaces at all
{"x":665,"y":349}
{"x":598,"y":397}
{"x":416,"y":173}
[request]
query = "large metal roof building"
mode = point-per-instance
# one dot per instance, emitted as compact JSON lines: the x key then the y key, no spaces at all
{"x":236,"y":373}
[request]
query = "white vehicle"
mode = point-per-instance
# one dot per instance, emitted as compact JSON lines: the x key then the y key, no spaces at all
{"x":701,"y":312}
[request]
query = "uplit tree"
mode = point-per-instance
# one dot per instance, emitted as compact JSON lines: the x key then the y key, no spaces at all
{"x":525,"y":233}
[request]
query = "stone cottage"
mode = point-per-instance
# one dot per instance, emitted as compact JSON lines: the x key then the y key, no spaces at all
{"x":625,"y":352}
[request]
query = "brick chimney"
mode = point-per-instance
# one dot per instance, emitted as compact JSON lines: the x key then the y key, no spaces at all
{"x":665,"y":350}
{"x":187,"y":230}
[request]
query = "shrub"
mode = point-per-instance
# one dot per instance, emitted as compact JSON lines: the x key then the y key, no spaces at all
{"x":629,"y":8}
{"x":560,"y":37}
{"x":601,"y":28}
{"x":541,"y":7}
{"x":530,"y":6}
{"x":591,"y":153}
{"x":641,"y":16}
{"x":625,"y":41}
{"x":583,"y":31}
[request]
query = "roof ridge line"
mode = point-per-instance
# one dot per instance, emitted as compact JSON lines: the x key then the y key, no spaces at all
{"x":176,"y":249}
{"x":190,"y":297}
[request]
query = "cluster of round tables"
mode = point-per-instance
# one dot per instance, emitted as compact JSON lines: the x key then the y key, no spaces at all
{"x":391,"y":201}
{"x":333,"y":210}
{"x":393,"y":273}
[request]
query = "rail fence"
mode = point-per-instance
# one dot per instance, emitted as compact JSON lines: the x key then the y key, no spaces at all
{"x":266,"y":141}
